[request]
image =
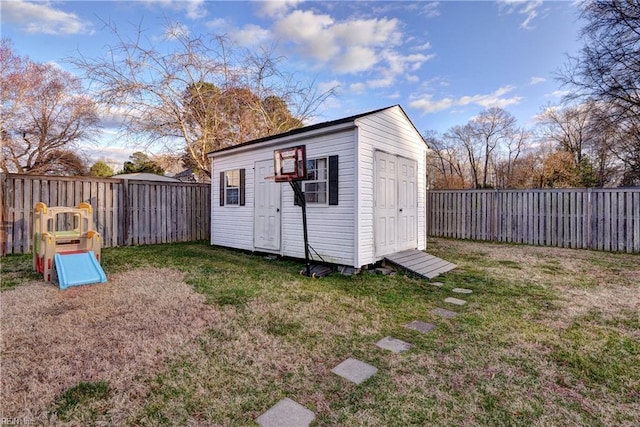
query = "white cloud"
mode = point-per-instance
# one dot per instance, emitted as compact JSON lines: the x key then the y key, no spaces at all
{"x":382,"y":82}
{"x":276,"y":8}
{"x":357,"y":88}
{"x":249,"y":35}
{"x":310,"y":32}
{"x":557,"y":94}
{"x":42,"y":18}
{"x":177,"y":31}
{"x":193,"y":8}
{"x":327,"y":86}
{"x":427,"y":104}
{"x":348,"y":46}
{"x":424,"y":46}
{"x":529,"y":8}
{"x":537,"y":80}
{"x":431,"y":9}
{"x":218,"y":24}
{"x":355,"y":59}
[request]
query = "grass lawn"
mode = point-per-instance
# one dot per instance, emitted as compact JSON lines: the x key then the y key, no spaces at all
{"x":187,"y":334}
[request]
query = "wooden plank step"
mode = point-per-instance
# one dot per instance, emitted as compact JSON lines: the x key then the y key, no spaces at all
{"x":420,"y":263}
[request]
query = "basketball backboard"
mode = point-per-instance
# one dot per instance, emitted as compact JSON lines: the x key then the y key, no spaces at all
{"x":290,"y":164}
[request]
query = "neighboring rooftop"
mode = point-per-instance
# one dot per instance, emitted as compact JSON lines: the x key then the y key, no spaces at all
{"x":143,"y":176}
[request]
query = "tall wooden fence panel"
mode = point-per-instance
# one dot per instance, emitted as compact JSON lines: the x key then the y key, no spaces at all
{"x":601,"y":219}
{"x":126,"y":212}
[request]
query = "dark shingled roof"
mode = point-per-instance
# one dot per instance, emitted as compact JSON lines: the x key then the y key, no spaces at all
{"x":310,"y":128}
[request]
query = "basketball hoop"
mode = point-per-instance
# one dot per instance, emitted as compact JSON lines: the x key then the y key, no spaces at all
{"x":290,"y":164}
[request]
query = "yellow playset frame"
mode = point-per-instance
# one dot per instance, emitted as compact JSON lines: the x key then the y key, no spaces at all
{"x":76,"y":234}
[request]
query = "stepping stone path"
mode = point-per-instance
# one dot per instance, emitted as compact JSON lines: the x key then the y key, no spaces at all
{"x":447,"y":314}
{"x":355,"y":370}
{"x":286,"y":413}
{"x":455,"y":301}
{"x":393,"y":344}
{"x":420,"y":326}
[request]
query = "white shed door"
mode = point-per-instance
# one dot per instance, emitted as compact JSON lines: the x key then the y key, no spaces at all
{"x":266,"y":217}
{"x":407,"y":204}
{"x":395,"y":204}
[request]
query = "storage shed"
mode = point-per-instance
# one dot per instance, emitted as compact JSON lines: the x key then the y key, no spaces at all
{"x":365,"y":194}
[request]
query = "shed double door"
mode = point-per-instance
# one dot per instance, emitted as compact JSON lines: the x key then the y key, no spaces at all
{"x":396,"y":204}
{"x":266,"y":219}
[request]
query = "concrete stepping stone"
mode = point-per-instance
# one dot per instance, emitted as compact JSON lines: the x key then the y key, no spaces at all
{"x":455,"y":301}
{"x":355,"y":370}
{"x":420,"y":326}
{"x":393,"y":344}
{"x":438,"y":284}
{"x":286,"y":413}
{"x":447,"y":314}
{"x":462,"y":291}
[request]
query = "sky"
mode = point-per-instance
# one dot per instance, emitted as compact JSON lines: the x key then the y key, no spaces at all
{"x":443,"y":62}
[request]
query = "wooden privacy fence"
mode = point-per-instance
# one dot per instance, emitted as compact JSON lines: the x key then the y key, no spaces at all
{"x":601,"y":219}
{"x":126,"y":212}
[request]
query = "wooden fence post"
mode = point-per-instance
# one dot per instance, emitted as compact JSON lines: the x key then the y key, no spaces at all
{"x":126,"y":214}
{"x":589,"y":220}
{"x":3,"y":215}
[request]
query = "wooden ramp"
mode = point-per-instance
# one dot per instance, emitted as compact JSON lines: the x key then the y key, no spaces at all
{"x":420,"y":263}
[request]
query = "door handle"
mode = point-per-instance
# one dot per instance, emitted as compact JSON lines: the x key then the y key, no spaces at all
{"x":400,"y":209}
{"x":277,"y":209}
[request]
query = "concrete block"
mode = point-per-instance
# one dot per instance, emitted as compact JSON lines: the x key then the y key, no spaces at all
{"x":286,"y":413}
{"x":355,"y":370}
{"x":420,"y":326}
{"x":447,"y":314}
{"x":393,"y":344}
{"x":455,"y":301}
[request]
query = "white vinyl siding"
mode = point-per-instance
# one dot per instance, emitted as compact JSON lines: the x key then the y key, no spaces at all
{"x":330,"y":227}
{"x":391,"y":132}
{"x":231,"y":227}
{"x":343,"y":233}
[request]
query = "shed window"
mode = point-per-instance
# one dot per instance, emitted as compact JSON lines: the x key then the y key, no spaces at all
{"x":232,"y":187}
{"x":315,"y":188}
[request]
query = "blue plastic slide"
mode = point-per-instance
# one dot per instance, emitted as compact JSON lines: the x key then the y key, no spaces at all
{"x":78,"y":269}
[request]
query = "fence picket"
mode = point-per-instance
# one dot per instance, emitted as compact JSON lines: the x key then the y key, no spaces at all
{"x":601,"y":219}
{"x":126,"y":212}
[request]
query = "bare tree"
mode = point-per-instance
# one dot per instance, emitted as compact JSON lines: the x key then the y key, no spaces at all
{"x":446,"y":164}
{"x":484,"y":140}
{"x":493,"y":127}
{"x":44,"y":114}
{"x":510,"y":168}
{"x":582,"y":131}
{"x":607,"y":70}
{"x":201,"y":94}
{"x":464,"y":139}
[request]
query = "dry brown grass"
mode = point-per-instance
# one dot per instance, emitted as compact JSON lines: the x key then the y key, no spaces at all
{"x":526,"y":349}
{"x":583,"y":279}
{"x":116,"y":332}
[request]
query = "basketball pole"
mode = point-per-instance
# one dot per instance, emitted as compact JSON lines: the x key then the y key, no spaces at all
{"x":303,"y":204}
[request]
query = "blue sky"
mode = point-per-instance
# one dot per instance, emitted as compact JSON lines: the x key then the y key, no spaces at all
{"x":442,"y":61}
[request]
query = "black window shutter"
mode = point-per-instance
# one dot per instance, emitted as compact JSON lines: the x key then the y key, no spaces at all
{"x":333,"y":180}
{"x":221,"y":188}
{"x":241,"y":187}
